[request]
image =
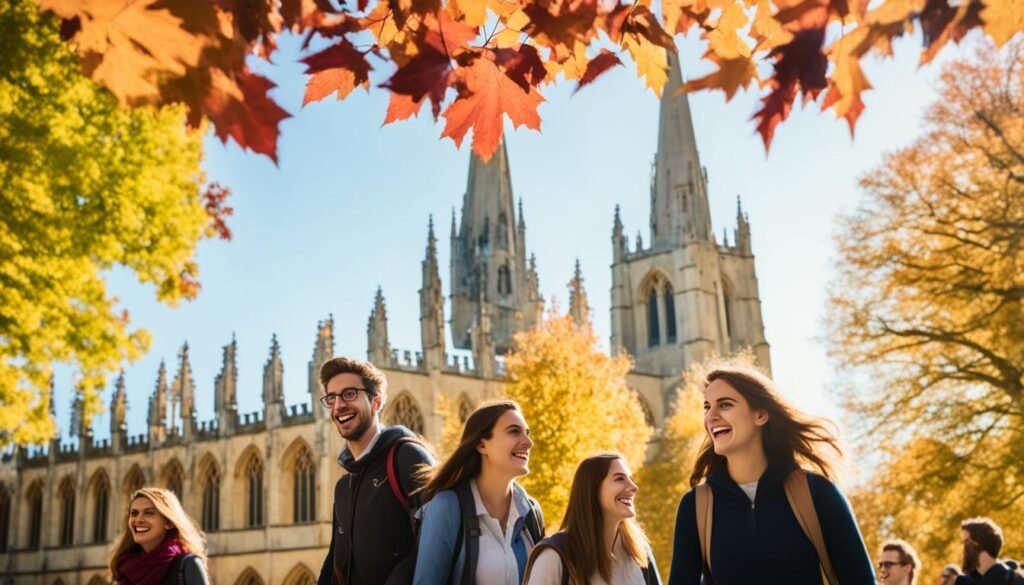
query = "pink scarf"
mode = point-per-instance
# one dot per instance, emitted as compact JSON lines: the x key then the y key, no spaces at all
{"x":149,"y":568}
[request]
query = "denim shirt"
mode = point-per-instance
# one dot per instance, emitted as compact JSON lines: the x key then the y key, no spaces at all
{"x":441,"y":520}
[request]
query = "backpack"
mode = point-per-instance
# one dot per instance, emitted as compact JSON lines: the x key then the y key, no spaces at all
{"x":392,"y":473}
{"x":556,"y":542}
{"x":469,"y":531}
{"x":798,"y":492}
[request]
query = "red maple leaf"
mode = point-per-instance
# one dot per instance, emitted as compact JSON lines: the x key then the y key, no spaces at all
{"x":598,"y":65}
{"x":524,"y":66}
{"x":800,"y":66}
{"x":240,"y":108}
{"x":489,"y":95}
{"x":339,"y":68}
{"x":427,"y":74}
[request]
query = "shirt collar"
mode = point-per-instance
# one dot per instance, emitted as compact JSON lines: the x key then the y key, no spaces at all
{"x":481,"y":510}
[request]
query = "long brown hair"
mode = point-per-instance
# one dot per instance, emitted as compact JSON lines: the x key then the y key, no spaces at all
{"x":192,"y":539}
{"x":583,"y":525}
{"x":788,"y":436}
{"x":464,"y":463}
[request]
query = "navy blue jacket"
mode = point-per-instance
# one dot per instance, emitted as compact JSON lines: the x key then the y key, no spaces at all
{"x":762,"y":542}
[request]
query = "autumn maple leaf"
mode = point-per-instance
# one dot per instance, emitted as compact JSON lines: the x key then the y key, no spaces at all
{"x":339,"y":69}
{"x":240,"y":108}
{"x":489,"y":95}
{"x":596,"y":66}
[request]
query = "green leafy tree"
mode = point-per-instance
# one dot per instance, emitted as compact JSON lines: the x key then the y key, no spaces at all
{"x":928,"y":309}
{"x":85,"y":186}
{"x":575,"y":399}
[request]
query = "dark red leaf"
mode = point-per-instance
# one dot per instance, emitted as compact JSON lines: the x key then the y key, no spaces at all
{"x":524,"y":66}
{"x":426,"y":74}
{"x":799,"y":66}
{"x":598,"y":65}
{"x":240,"y":108}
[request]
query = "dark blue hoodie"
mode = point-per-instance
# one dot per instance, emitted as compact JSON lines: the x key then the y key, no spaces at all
{"x":762,"y":542}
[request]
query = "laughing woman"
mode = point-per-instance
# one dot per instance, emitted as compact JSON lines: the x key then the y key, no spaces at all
{"x":161,"y":544}
{"x":599,"y":543}
{"x":479,"y":525}
{"x":749,"y":483}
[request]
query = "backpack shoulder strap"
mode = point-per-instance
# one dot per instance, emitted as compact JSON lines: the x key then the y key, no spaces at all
{"x":535,"y":521}
{"x":470,"y":533}
{"x":555,"y":542}
{"x":798,"y":492}
{"x":181,"y":561}
{"x":396,"y":485}
{"x":705,"y":503}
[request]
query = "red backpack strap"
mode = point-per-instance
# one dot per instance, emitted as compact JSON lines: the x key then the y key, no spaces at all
{"x":396,"y":487}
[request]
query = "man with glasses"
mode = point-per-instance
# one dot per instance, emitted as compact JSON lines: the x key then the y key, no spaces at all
{"x":898,"y":563}
{"x":983,"y":539}
{"x":372,"y":539}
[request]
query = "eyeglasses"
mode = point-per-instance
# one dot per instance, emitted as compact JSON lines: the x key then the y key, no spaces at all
{"x":889,"y":564}
{"x":346,"y":395}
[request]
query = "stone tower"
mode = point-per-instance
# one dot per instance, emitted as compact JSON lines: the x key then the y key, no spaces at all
{"x":491,"y":280}
{"x":685,"y":297}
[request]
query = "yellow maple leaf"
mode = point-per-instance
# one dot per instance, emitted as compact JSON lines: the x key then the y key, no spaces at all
{"x":724,"y":40}
{"x":1003,"y":19}
{"x":513,"y":31}
{"x":766,"y":31}
{"x":475,"y":11}
{"x":572,"y":68}
{"x":651,"y":61}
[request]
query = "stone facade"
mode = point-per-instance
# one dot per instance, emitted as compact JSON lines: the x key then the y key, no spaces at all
{"x":261,"y":483}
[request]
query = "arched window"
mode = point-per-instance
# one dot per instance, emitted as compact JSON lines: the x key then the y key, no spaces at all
{"x":173,"y":477}
{"x":405,"y":412}
{"x":670,"y":314}
{"x":504,"y":280}
{"x":249,"y":577}
{"x":211,"y":499}
{"x":304,"y":494}
{"x":34,"y":495}
{"x":502,"y":235}
{"x":100,"y":506}
{"x":133,"y":481}
{"x":5,"y":518}
{"x":727,"y":301}
{"x":254,"y":481}
{"x":653,"y":327}
{"x":67,"y":512}
{"x":300,"y":575}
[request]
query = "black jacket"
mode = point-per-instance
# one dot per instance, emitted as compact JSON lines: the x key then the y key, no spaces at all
{"x":762,"y":542}
{"x":372,"y":541}
{"x":187,"y":569}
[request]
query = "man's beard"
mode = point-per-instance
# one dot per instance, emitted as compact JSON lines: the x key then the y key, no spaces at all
{"x":364,"y":421}
{"x":971,"y":553}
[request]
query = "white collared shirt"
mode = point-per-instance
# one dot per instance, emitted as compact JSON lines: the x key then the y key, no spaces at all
{"x":547,"y":569}
{"x":496,"y":562}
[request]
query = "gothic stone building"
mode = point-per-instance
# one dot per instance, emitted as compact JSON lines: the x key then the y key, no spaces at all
{"x":261,"y":483}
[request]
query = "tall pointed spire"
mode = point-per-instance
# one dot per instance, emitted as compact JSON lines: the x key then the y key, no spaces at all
{"x":322,"y":351}
{"x":378,"y":349}
{"x":742,"y":235}
{"x":118,"y":408}
{"x":225,"y":389}
{"x":183,"y":393}
{"x":488,"y":262}
{"x":158,"y":407}
{"x":679,"y":205}
{"x":579,"y":306}
{"x":273,"y":375}
{"x":432,"y":306}
{"x":619,"y":242}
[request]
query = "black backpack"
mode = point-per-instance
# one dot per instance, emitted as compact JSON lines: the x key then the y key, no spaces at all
{"x":469,"y":531}
{"x":557,"y":543}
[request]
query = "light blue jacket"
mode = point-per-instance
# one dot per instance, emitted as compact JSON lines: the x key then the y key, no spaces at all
{"x":440,"y":528}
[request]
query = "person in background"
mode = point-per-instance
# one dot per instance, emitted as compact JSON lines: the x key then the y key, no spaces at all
{"x":899,"y":563}
{"x":949,"y":574}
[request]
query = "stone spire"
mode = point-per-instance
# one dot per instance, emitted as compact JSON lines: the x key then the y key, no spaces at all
{"x":273,"y":385}
{"x":378,"y":349}
{"x":432,"y":306}
{"x":118,"y":412}
{"x":488,"y":262}
{"x":77,"y":415}
{"x":225,"y":390}
{"x":322,"y":351}
{"x":579,"y":307}
{"x":158,"y":408}
{"x":742,"y":234}
{"x":679,"y":202}
{"x":619,"y":243}
{"x":183,"y":394}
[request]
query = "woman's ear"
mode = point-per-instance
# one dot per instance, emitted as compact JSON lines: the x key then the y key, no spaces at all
{"x":761,"y":417}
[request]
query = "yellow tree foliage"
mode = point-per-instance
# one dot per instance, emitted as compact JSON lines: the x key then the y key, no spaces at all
{"x":666,"y":476}
{"x":451,"y":427}
{"x":928,"y":310}
{"x":85,"y":187}
{"x":575,"y":399}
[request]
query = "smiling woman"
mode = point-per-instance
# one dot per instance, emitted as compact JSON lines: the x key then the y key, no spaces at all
{"x":161,"y":543}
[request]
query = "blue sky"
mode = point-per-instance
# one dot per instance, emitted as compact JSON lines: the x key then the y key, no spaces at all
{"x":346,"y":210}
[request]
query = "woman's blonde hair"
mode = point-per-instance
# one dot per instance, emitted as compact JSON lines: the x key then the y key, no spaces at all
{"x":184,"y":528}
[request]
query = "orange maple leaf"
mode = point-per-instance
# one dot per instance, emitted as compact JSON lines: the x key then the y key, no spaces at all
{"x":489,"y":95}
{"x":732,"y":74}
{"x":339,"y":68}
{"x":241,"y":109}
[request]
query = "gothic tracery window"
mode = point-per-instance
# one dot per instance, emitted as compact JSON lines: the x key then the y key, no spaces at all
{"x":670,"y":314}
{"x":67,"y":515}
{"x":254,"y":480}
{"x":211,"y":500}
{"x":174,"y":476}
{"x":101,"y":507}
{"x":405,"y":412}
{"x":304,"y":504}
{"x":465,"y":408}
{"x":35,"y":515}
{"x":653,"y":330}
{"x":134,"y":481}
{"x":5,"y":518}
{"x":504,"y":280}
